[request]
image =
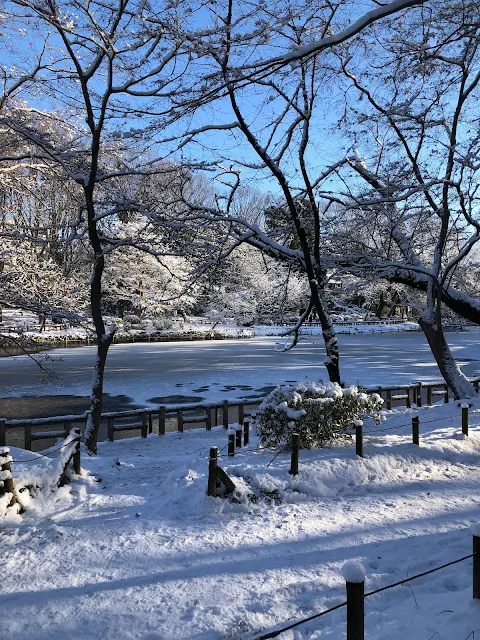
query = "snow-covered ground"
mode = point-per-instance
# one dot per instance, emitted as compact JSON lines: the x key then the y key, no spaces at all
{"x":135,"y":549}
{"x":215,"y":370}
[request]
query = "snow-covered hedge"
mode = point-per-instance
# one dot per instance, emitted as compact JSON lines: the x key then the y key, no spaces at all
{"x":320,"y":412}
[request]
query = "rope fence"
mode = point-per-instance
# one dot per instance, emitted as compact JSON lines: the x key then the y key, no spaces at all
{"x":355,"y":587}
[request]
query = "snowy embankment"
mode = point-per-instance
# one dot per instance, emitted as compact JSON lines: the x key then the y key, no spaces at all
{"x":193,"y":331}
{"x":360,"y":328}
{"x":135,"y":548}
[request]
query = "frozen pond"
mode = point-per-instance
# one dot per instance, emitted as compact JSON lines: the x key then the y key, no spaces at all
{"x":150,"y":373}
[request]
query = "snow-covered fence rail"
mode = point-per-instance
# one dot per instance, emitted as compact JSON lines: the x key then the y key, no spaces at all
{"x":225,"y":412}
{"x":136,"y":420}
{"x":354,"y":574}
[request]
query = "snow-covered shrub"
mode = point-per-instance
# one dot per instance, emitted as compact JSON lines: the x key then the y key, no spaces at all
{"x":319,"y":412}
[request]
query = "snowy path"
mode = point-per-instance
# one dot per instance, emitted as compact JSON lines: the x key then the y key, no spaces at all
{"x":150,"y":372}
{"x":145,"y":551}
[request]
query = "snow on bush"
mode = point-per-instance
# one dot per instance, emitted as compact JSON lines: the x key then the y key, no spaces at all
{"x":319,"y":412}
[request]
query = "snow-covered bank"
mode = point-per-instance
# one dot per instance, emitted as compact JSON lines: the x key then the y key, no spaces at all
{"x":137,"y":549}
{"x":193,"y":331}
{"x":343,"y":329}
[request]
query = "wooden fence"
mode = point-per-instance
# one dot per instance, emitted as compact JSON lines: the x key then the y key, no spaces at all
{"x":179,"y":417}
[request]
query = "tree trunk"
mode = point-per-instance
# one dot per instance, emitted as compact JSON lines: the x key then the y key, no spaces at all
{"x":96,"y":398}
{"x":447,"y":364}
{"x":104,"y":336}
{"x":332,"y":360}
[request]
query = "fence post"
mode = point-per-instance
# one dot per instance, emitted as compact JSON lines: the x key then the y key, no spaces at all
{"x":225,"y":414}
{"x":3,"y":433}
{"x":447,"y":398}
{"x":465,"y":418}
{"x":359,"y":438}
{"x":150,"y":423}
{"x":161,"y":421}
{"x":144,"y":431}
{"x":209,"y":418}
{"x":429,"y":395}
{"x":28,"y":437}
{"x":76,"y":456}
{"x":475,"y":384}
{"x":416,"y":430}
{"x":180,"y":421}
{"x":238,"y":436}
{"x":8,"y":486}
{"x":231,"y":444}
{"x":419,"y":394}
{"x":476,"y":561}
{"x":241,"y":413}
{"x":246,"y":432}
{"x":295,"y":452}
{"x":354,"y":574}
{"x":408,"y":401}
{"x":110,"y":429}
{"x":389,"y":399}
{"x":212,"y":472}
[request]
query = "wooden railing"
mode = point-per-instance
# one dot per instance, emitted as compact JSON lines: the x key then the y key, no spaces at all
{"x":174,"y":417}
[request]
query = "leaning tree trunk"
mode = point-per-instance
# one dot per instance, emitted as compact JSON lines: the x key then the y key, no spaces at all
{"x":332,"y":360}
{"x":431,"y":325}
{"x":104,"y":336}
{"x":96,"y":398}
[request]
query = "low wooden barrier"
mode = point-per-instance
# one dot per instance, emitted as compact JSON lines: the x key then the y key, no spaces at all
{"x":136,"y":421}
{"x":208,"y":415}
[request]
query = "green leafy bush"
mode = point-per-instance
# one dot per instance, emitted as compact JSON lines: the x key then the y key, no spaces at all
{"x":319,"y":412}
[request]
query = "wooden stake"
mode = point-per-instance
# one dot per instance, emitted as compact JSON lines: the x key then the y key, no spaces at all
{"x":295,"y":454}
{"x":407,"y":400}
{"x":389,"y":399}
{"x":241,"y":413}
{"x":355,"y":610}
{"x":476,"y":567}
{"x":419,"y":395}
{"x":161,"y":421}
{"x":359,"y":440}
{"x":209,"y":419}
{"x":246,"y":432}
{"x":465,"y":419}
{"x":225,"y":480}
{"x":225,"y":414}
{"x":416,"y":430}
{"x":231,"y":444}
{"x":180,"y":421}
{"x":238,"y":437}
{"x":212,"y":472}
{"x":150,"y":423}
{"x":144,"y":431}
{"x":429,"y":395}
{"x":3,"y":433}
{"x":76,"y":456}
